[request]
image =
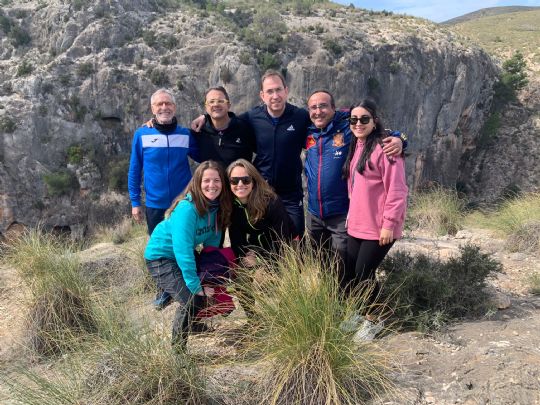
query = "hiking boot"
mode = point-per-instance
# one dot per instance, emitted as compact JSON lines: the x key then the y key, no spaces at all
{"x":199,"y":327}
{"x":368,"y":331}
{"x":163,"y":300}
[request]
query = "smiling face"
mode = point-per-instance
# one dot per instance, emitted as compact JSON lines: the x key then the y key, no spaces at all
{"x":274,"y":95}
{"x":211,"y":184}
{"x":163,"y":108}
{"x":361,"y":131}
{"x":241,"y":190}
{"x":216,"y":105}
{"x":320,"y":109}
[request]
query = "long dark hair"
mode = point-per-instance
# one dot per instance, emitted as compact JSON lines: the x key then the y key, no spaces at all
{"x":374,"y":138}
{"x":202,"y":204}
{"x":261,"y":194}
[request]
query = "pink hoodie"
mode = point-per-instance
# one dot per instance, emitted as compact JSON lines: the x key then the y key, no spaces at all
{"x":378,"y":198}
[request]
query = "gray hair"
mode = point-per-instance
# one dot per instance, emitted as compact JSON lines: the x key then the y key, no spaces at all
{"x":165,"y":91}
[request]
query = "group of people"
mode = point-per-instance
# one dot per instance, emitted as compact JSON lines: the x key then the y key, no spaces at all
{"x":250,"y":182}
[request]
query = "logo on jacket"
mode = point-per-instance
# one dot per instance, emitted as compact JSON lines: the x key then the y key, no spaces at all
{"x":338,"y":140}
{"x":238,"y":140}
{"x":291,"y":128}
{"x":154,"y":140}
{"x":310,"y":141}
{"x":338,"y":153}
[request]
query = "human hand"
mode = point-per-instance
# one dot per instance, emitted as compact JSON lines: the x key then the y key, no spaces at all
{"x":249,"y":260}
{"x":392,"y":145}
{"x":206,"y":291}
{"x":149,"y":123}
{"x":137,"y":214}
{"x":387,"y":236}
{"x":198,"y":123}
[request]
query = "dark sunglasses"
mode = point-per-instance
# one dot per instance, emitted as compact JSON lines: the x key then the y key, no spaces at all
{"x":244,"y":179}
{"x":364,"y":119}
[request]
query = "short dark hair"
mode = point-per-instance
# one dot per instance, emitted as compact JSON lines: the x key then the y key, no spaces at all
{"x":332,"y":102}
{"x":270,"y":73}
{"x":217,"y":88}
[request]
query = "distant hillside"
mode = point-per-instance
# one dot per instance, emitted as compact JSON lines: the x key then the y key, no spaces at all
{"x":487,"y":12}
{"x":501,"y":35}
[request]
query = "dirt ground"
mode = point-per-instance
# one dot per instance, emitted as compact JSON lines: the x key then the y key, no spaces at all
{"x":495,"y":360}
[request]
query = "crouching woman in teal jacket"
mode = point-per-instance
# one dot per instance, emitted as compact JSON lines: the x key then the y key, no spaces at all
{"x":196,"y":217}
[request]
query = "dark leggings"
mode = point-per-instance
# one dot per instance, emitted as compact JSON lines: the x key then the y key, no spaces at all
{"x":363,"y":258}
{"x":168,"y":277}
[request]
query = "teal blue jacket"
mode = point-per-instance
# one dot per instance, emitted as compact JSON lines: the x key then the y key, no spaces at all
{"x":177,"y":237}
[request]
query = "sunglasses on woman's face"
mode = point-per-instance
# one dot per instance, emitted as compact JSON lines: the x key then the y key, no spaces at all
{"x":364,"y":119}
{"x":244,"y":179}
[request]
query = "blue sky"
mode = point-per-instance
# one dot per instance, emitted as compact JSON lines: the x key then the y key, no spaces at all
{"x":435,"y":10}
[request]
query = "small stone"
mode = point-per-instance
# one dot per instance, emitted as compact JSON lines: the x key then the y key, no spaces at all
{"x":515,"y":333}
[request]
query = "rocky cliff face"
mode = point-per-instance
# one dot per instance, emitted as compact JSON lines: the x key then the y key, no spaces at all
{"x":77,"y":84}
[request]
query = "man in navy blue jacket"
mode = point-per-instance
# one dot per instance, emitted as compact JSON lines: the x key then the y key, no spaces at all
{"x":161,"y":152}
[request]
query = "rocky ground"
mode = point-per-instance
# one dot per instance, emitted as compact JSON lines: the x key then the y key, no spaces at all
{"x":495,"y":360}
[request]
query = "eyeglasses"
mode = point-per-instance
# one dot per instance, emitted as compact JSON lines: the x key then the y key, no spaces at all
{"x":244,"y":179}
{"x":271,"y":92}
{"x":216,"y":101}
{"x":364,"y":119}
{"x":322,"y":106}
{"x":163,"y":104}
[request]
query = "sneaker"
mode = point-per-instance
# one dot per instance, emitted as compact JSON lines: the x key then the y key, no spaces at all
{"x":352,"y":323}
{"x":163,"y":300}
{"x":368,"y":331}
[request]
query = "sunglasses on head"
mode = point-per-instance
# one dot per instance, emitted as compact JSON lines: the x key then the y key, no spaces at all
{"x":244,"y":179}
{"x":364,"y":119}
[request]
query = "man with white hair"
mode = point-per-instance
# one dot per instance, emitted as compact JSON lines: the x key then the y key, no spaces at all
{"x":161,"y":153}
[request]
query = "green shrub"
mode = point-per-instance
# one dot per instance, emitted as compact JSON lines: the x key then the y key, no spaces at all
{"x":25,"y":68}
{"x":332,"y":45}
{"x":149,"y":38}
{"x":490,"y":129}
{"x":438,"y":211}
{"x":159,"y":77}
{"x":298,"y":311}
{"x":244,"y":58}
{"x":60,"y":182}
{"x":5,"y":23}
{"x":266,"y":32}
{"x":7,"y":125}
{"x":118,"y":174}
{"x":372,"y":84}
{"x":75,"y":154}
{"x":426,"y":293}
{"x":267,"y":61}
{"x":85,"y":69}
{"x":19,"y":36}
{"x":61,"y":309}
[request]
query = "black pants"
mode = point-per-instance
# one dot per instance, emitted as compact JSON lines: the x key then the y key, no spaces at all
{"x":294,"y":204}
{"x":168,"y":277}
{"x":329,"y":233}
{"x":153,"y":217}
{"x":363,"y":258}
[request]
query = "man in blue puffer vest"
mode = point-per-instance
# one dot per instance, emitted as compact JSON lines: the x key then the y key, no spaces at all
{"x":327,"y":145}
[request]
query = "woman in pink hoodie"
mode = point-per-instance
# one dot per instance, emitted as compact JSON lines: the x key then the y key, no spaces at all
{"x":378,"y":200}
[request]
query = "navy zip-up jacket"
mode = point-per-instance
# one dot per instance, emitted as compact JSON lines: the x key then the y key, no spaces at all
{"x":279,"y":146}
{"x":326,"y":152}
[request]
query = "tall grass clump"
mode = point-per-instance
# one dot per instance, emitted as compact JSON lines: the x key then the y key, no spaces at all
{"x":60,"y":308}
{"x":308,"y":358}
{"x":426,"y":292}
{"x":125,"y":365}
{"x":519,"y":220}
{"x":120,"y":233}
{"x":438,"y":211}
